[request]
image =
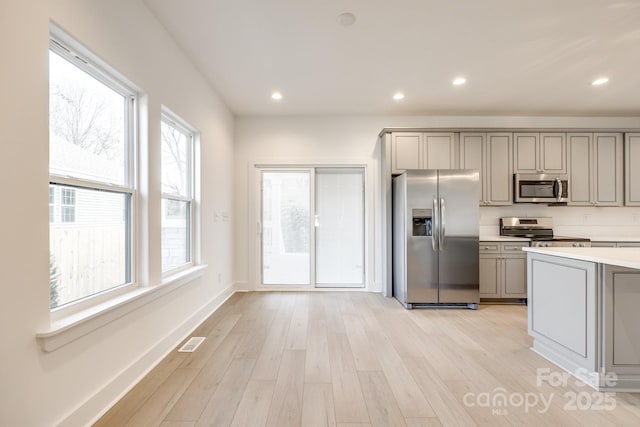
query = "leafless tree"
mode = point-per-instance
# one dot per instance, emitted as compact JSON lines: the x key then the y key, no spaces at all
{"x":83,"y":119}
{"x":173,"y":146}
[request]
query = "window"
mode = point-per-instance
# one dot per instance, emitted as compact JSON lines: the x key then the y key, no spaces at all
{"x":177,"y":140}
{"x":91,"y":151}
{"x":68,"y":205}
{"x":52,"y":204}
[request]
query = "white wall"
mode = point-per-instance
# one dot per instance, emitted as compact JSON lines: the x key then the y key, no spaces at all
{"x":74,"y":383}
{"x":323,"y":139}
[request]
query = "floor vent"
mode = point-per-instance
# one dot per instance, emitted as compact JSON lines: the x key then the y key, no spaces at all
{"x":191,"y":345}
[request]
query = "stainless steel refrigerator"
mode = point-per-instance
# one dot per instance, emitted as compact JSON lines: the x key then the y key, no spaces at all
{"x":435,"y":238}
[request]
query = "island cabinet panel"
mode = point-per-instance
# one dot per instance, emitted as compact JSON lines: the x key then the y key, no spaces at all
{"x":583,"y":313}
{"x":621,"y":335}
{"x":562,"y":308}
{"x":632,"y":169}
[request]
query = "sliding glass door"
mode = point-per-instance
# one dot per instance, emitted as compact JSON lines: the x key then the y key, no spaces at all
{"x":286,"y":227}
{"x":311,"y":227}
{"x":339,"y":226}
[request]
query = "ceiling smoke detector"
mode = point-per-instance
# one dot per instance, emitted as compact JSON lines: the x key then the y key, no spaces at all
{"x":346,"y":19}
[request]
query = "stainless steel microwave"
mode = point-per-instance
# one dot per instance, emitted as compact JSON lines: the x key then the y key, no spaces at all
{"x":541,"y":188}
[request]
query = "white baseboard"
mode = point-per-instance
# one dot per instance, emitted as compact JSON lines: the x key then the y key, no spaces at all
{"x":99,"y":403}
{"x":242,"y":287}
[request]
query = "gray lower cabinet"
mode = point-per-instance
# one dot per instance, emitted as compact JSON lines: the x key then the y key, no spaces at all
{"x":604,"y":245}
{"x":615,"y":244}
{"x":503,"y":272}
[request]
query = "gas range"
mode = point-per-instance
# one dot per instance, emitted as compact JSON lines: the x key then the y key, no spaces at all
{"x":540,"y":231}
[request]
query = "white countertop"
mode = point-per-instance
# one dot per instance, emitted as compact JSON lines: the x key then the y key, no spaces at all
{"x":615,"y":238}
{"x":621,"y":257}
{"x":503,"y":239}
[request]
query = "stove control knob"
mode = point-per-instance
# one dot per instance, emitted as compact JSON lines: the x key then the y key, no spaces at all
{"x":575,"y":245}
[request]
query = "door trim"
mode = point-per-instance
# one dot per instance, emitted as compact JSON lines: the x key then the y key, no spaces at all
{"x":253,"y":213}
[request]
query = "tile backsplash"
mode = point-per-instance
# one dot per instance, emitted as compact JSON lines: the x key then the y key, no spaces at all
{"x":572,"y":221}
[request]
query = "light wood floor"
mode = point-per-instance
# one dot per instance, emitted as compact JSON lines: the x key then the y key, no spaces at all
{"x":359,"y":359}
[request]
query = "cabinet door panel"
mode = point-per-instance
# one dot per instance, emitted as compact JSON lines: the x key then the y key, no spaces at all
{"x":499,"y":173}
{"x":489,"y":276}
{"x":439,"y":151}
{"x":525,"y":152}
{"x":603,"y":244}
{"x":632,"y":169}
{"x":407,"y":151}
{"x":472,"y":155}
{"x":553,"y":152}
{"x":515,"y":277}
{"x":607,"y":154}
{"x":580,"y":165}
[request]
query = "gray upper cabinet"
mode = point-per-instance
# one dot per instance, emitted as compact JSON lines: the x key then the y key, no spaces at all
{"x":439,"y":150}
{"x":539,"y":152}
{"x":406,"y":151}
{"x":595,"y":166}
{"x":632,"y":169}
{"x":423,"y":150}
{"x":490,"y":153}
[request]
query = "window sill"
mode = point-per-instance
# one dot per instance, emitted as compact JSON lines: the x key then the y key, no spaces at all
{"x":70,"y":328}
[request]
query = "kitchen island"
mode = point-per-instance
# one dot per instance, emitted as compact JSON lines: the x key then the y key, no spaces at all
{"x":584,"y":313}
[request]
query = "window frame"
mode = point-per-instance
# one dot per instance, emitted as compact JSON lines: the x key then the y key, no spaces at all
{"x":72,"y":51}
{"x":170,"y":118}
{"x":52,"y":204}
{"x":65,"y":207}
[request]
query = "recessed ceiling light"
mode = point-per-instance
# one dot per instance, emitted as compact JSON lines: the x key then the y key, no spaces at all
{"x":600,"y":81}
{"x":398,"y":96}
{"x":346,"y":19}
{"x":276,"y":95}
{"x":459,"y":81}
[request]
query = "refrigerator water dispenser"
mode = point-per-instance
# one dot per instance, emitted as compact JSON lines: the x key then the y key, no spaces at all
{"x":422,"y":222}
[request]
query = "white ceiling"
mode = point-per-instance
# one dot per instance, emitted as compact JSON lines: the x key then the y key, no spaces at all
{"x":520,"y":57}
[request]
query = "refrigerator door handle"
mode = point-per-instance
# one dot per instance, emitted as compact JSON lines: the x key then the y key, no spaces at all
{"x":442,"y":225}
{"x":435,"y":227}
